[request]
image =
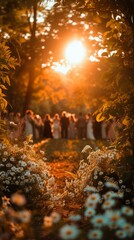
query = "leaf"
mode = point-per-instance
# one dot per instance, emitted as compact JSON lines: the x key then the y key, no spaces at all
{"x":3,"y":87}
{"x":100,"y":118}
{"x":3,"y":104}
{"x":125,"y":121}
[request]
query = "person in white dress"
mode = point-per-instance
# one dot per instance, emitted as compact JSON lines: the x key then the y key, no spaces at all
{"x":90,"y":134}
{"x":56,"y":127}
{"x":71,"y":127}
{"x":28,"y":123}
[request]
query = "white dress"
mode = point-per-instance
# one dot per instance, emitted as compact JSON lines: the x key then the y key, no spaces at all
{"x":56,"y":129}
{"x":28,"y":127}
{"x":90,"y":134}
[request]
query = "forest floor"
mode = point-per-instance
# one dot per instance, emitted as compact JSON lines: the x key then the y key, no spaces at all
{"x":63,"y":156}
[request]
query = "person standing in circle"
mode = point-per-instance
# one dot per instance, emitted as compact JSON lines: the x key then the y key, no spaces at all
{"x":81,"y":126}
{"x":71,"y":128}
{"x":90,"y":133}
{"x":47,"y":127}
{"x":56,"y":127}
{"x":64,"y":125}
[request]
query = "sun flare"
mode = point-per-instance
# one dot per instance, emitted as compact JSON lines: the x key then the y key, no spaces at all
{"x":75,"y":52}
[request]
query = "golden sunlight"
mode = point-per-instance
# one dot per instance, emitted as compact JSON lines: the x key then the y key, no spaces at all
{"x":61,"y":68}
{"x":75,"y":52}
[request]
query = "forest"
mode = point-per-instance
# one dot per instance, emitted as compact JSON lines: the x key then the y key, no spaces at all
{"x":76,"y":58}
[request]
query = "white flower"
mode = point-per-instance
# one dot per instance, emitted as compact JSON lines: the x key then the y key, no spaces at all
{"x":69,"y":232}
{"x":4,"y":159}
{"x":22,"y":177}
{"x":8,"y":165}
{"x":5,"y":153}
{"x":12,"y":159}
{"x":24,"y":216}
{"x":87,"y":148}
{"x":3,"y":146}
{"x":19,"y":169}
{"x":27,"y":173}
{"x":55,"y":217}
{"x":22,"y":163}
{"x":17,"y":183}
{"x":13,"y":169}
{"x":1,"y":165}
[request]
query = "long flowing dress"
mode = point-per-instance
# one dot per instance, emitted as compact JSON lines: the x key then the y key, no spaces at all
{"x":56,"y":129}
{"x":90,"y":134}
{"x":28,"y":126}
{"x":71,"y":130}
{"x":47,"y":129}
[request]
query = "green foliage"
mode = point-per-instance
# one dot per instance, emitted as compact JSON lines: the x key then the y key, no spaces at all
{"x":7,"y":62}
{"x":118,"y":77}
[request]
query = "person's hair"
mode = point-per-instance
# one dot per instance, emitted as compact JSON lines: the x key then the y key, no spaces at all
{"x":56,"y":116}
{"x":47,"y":116}
{"x":72,"y":117}
{"x":29,"y":112}
{"x":63,"y":113}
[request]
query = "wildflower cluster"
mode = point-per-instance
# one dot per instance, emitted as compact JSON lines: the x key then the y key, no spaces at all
{"x":100,"y":160}
{"x":21,"y":168}
{"x":15,"y":222}
{"x":103,"y":216}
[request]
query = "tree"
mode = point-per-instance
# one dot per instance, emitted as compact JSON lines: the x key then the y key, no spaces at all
{"x":118,"y":42}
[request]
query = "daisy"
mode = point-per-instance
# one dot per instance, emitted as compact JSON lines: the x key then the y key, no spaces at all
{"x":24,"y":216}
{"x":55,"y":217}
{"x":95,"y":234}
{"x":112,"y":185}
{"x":121,"y":234}
{"x":127,"y":211}
{"x":69,"y":232}
{"x":99,"y":220}
{"x":113,"y":218}
{"x":129,"y":228}
{"x":109,"y":194}
{"x":108,"y":203}
{"x":94,"y":197}
{"x":118,"y":194}
{"x":89,"y":212}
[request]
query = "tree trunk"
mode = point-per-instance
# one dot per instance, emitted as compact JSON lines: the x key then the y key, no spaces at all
{"x":32,"y":28}
{"x":29,"y":91}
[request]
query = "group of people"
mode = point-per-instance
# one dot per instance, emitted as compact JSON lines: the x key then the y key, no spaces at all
{"x":66,"y":126}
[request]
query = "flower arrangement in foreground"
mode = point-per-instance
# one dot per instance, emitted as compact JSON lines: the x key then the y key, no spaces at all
{"x":22,"y":169}
{"x":102,"y":216}
{"x":106,"y":210}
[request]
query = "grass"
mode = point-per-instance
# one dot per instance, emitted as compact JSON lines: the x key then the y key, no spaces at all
{"x":64,"y":148}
